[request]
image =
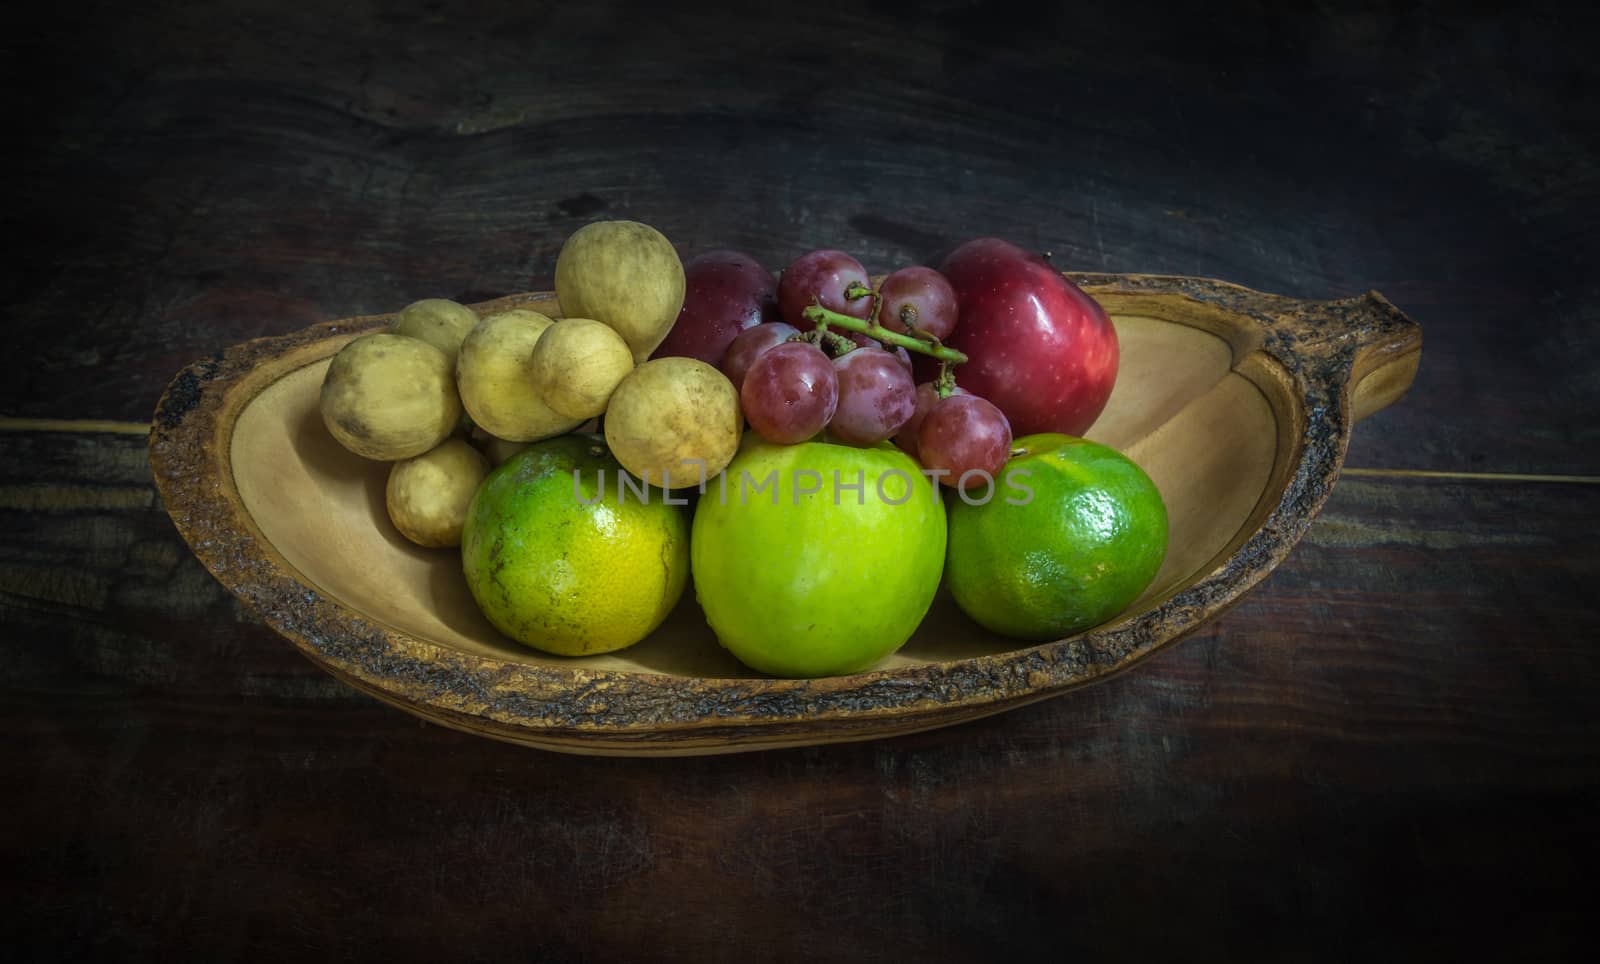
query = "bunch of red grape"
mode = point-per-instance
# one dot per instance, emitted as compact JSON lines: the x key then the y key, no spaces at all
{"x":795,"y":381}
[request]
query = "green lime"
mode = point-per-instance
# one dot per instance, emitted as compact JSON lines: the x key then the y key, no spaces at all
{"x":1073,"y":533}
{"x":563,"y":557}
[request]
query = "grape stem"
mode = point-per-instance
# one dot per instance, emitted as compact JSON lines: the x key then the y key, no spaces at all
{"x":824,"y":319}
{"x":826,"y":340}
{"x":839,"y":343}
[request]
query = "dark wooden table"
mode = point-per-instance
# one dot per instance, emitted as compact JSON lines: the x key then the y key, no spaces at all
{"x":1391,"y":748}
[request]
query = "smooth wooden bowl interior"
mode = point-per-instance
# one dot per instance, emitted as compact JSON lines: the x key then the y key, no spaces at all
{"x":1206,"y":429}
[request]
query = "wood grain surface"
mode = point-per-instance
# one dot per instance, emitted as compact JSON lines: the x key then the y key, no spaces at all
{"x":1390,"y":749}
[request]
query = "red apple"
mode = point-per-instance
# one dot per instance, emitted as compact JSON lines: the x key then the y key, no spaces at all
{"x":1041,"y":350}
{"x":724,"y":293}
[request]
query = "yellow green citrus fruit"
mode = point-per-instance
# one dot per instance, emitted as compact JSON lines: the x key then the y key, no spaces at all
{"x":816,"y":559}
{"x":559,"y":560}
{"x":1074,"y":534}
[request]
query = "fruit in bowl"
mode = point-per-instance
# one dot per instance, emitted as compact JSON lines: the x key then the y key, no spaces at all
{"x":560,"y":557}
{"x":492,"y":374}
{"x":294,"y":527}
{"x":1084,"y":536}
{"x":1039,"y":348}
{"x":427,"y":496}
{"x":816,"y":543}
{"x":674,"y":422}
{"x":389,"y":397}
{"x":626,"y":275}
{"x":440,"y":322}
{"x":817,"y":559}
{"x":725,"y":292}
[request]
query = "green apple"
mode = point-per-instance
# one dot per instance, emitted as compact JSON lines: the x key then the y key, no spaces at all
{"x":816,"y":559}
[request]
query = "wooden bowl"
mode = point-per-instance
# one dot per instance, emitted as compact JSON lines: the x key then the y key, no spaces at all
{"x":1238,"y":404}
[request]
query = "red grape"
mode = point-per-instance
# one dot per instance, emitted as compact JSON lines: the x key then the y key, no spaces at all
{"x":927,"y":393}
{"x":751,"y":344}
{"x":964,"y":434}
{"x":924,"y":295}
{"x":724,"y":293}
{"x":876,"y":396}
{"x":790,"y":392}
{"x":822,"y":277}
{"x":867,"y":341}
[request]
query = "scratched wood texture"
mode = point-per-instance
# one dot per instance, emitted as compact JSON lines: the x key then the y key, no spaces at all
{"x":1390,"y":749}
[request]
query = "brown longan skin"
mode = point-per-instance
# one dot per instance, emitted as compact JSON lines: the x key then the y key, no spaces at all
{"x":389,"y":397}
{"x":669,"y":412}
{"x":625,"y":275}
{"x":577,"y":364}
{"x":493,"y":373}
{"x":427,"y":496}
{"x":440,"y":322}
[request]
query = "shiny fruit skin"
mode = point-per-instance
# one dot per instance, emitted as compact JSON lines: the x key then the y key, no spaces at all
{"x":790,"y":392}
{"x":1090,"y":538}
{"x":967,"y":439}
{"x":725,"y":292}
{"x":921,"y":294}
{"x":876,"y":397}
{"x":927,"y":393}
{"x":751,"y":344}
{"x":564,"y":577}
{"x":796,"y":585}
{"x":1040,"y":349}
{"x":822,"y":277}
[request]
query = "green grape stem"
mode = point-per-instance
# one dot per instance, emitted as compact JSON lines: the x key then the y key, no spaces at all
{"x":839,"y":343}
{"x":828,"y":341}
{"x":858,"y":290}
{"x":823,"y":319}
